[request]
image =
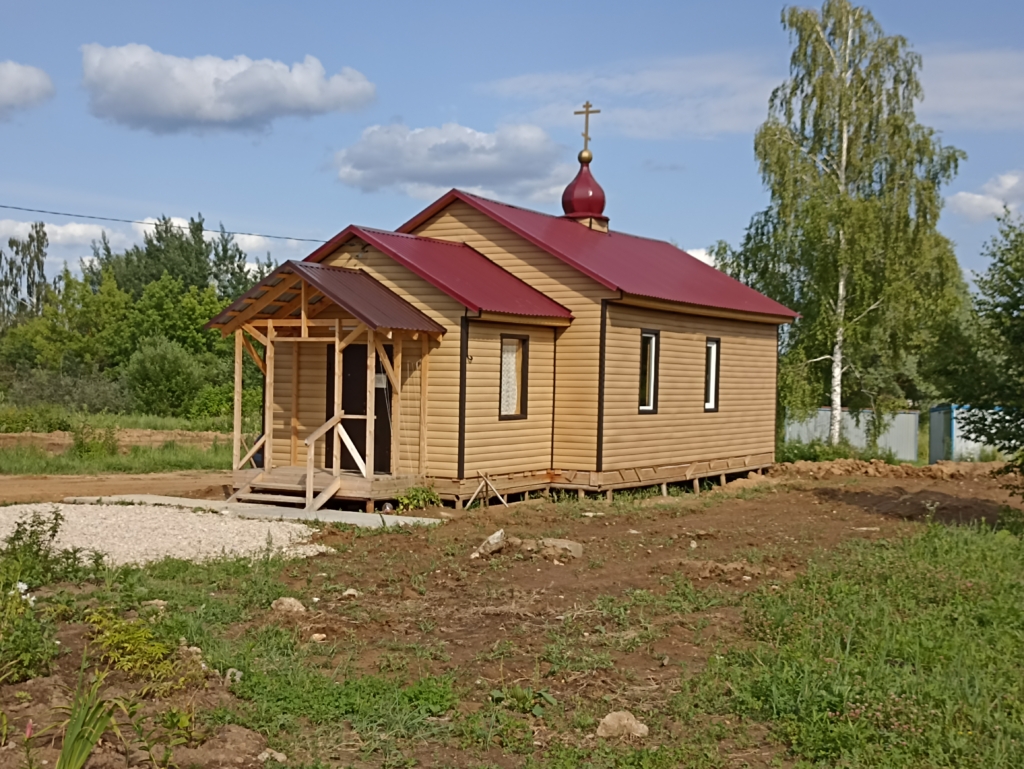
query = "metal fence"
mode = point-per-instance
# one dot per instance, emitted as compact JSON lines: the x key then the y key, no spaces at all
{"x":900,"y":434}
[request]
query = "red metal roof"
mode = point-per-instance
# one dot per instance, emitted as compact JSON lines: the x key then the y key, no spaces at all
{"x":353,"y":290}
{"x":629,"y":263}
{"x":462,"y":272}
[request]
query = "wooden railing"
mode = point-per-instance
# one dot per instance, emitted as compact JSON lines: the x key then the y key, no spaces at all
{"x":252,"y":452}
{"x":315,"y":503}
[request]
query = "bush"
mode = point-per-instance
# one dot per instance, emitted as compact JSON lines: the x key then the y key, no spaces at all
{"x":213,"y":401}
{"x":28,"y":560}
{"x":35,"y":419}
{"x":819,"y":451}
{"x":27,"y":643}
{"x":163,"y":377}
{"x":90,"y":442}
{"x":88,"y":392}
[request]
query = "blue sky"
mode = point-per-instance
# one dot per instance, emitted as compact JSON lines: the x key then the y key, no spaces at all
{"x":341,"y":112}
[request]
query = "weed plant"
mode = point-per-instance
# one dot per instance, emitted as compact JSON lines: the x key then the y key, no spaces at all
{"x":892,"y":654}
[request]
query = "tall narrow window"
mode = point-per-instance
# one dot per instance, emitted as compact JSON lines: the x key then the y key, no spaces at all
{"x":515,"y":352}
{"x":711,"y":368}
{"x":648,"y":371}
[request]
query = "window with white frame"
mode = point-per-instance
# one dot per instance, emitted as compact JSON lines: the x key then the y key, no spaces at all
{"x":712,"y":365}
{"x":514,"y":362}
{"x":649,"y":371}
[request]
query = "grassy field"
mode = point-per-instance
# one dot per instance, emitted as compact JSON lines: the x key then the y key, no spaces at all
{"x":905,"y":651}
{"x":31,"y":460}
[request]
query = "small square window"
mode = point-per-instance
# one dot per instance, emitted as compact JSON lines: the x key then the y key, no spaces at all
{"x":648,"y":371}
{"x":712,"y":365}
{"x":514,"y":361}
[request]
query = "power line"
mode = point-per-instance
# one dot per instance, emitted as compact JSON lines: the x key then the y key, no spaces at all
{"x":151,"y":224}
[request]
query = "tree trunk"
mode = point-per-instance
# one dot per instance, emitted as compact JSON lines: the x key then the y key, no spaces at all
{"x":836,"y":402}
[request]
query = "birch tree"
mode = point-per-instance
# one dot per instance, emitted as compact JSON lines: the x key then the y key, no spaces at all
{"x":848,"y":239}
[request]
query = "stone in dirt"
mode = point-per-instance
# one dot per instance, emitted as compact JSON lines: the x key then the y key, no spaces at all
{"x":621,"y":723}
{"x":561,"y":547}
{"x":351,"y":593}
{"x":493,"y":544}
{"x":266,"y":755}
{"x":318,"y":638}
{"x":288,"y":604}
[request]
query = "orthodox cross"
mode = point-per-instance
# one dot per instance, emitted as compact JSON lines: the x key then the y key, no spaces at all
{"x":587,"y":111}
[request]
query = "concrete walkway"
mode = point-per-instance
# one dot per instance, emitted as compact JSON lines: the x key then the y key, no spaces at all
{"x":268,"y":512}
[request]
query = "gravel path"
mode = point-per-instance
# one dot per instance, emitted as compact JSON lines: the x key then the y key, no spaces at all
{"x":141,"y":533}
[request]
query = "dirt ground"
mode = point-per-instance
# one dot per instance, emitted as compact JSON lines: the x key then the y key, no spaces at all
{"x":59,"y":441}
{"x":195,"y":484}
{"x":424,"y":606}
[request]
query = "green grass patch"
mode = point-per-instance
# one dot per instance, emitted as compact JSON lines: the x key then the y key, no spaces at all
{"x":889,"y":654}
{"x":32,"y":460}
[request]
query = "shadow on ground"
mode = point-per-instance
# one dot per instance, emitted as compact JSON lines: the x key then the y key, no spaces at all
{"x":898,"y":502}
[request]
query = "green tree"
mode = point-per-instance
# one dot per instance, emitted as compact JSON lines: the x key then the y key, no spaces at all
{"x":79,"y":329}
{"x":182,"y":252}
{"x":848,"y":239}
{"x":230,"y":269}
{"x":985,"y":362}
{"x":23,"y":285}
{"x":170,"y":309}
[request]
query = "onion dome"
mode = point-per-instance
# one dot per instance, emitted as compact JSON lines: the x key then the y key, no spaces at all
{"x":584,"y":198}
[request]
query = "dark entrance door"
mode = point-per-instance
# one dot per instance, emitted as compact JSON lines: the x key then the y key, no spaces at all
{"x":353,"y":401}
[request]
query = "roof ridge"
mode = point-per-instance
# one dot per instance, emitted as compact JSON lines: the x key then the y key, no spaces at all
{"x":556,"y":216}
{"x":409,"y":235}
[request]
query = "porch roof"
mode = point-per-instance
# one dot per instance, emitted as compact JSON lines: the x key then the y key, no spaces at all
{"x":354,"y":291}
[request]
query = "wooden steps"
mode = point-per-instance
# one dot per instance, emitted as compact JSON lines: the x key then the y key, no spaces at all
{"x":272,"y":499}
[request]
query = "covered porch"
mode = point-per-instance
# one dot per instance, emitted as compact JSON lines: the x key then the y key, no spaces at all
{"x":346,"y":375}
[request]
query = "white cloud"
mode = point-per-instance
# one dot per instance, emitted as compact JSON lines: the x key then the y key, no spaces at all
{"x":22,"y":86}
{"x":974,"y":90}
{"x":702,"y":254}
{"x":70,"y":234}
{"x":1003,"y":190}
{"x":517,"y":160}
{"x":142,"y":88}
{"x":686,"y":96}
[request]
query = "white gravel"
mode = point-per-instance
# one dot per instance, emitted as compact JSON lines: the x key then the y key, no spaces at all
{"x":142,"y":533}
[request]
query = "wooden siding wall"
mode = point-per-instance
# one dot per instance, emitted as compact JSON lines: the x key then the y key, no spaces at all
{"x":312,"y":399}
{"x":681,"y":431}
{"x":496,"y":445}
{"x":443,"y":383}
{"x":578,"y":345}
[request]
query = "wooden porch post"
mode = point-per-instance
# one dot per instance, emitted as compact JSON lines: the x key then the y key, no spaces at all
{"x":396,"y":407}
{"x":236,"y":441}
{"x":295,"y":351}
{"x":371,"y":396}
{"x":337,"y":397}
{"x":268,"y":407}
{"x":424,"y":370}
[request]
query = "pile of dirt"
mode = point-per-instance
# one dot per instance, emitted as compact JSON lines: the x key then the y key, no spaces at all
{"x":60,"y":441}
{"x":876,"y":468}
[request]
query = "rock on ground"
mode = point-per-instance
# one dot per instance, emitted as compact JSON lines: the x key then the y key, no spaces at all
{"x":621,"y":723}
{"x":287,"y":604}
{"x":143,"y":533}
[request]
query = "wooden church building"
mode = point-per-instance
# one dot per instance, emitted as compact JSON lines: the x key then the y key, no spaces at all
{"x":489,"y":350}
